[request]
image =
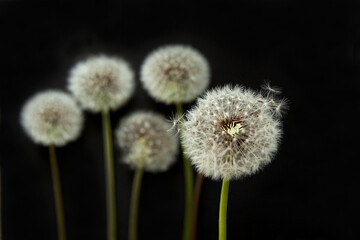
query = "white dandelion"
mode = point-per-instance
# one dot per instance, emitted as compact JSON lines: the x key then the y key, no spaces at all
{"x":102,"y":83}
{"x":175,"y":74}
{"x":232,"y":132}
{"x":52,"y":118}
{"x":146,"y":142}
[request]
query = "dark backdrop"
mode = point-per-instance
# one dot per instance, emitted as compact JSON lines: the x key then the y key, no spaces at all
{"x":310,"y":50}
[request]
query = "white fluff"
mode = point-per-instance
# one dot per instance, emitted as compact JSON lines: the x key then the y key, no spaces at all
{"x":146,"y":142}
{"x":232,"y":132}
{"x":52,"y":117}
{"x":175,"y":74}
{"x":102,"y":83}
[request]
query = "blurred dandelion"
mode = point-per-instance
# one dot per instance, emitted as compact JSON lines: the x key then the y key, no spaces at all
{"x":52,"y":118}
{"x":175,"y":74}
{"x":146,"y":142}
{"x":102,"y":83}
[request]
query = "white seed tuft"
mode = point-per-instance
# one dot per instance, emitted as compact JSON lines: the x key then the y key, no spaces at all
{"x":232,"y":132}
{"x":175,"y":74}
{"x":52,"y":117}
{"x":146,"y":142}
{"x":102,"y":83}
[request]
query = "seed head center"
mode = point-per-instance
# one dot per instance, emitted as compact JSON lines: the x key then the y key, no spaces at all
{"x":176,"y":74}
{"x":233,"y":128}
{"x":50,"y":116}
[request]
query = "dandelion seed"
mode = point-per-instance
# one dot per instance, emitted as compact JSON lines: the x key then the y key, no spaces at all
{"x":271,"y":89}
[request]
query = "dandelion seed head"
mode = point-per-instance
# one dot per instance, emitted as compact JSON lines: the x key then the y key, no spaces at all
{"x":232,"y":132}
{"x":52,"y":117}
{"x":175,"y":74}
{"x":146,"y":142}
{"x":102,"y":83}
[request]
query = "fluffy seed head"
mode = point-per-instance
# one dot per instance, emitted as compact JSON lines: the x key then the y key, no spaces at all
{"x":102,"y":83}
{"x":52,"y":117}
{"x":146,"y":141}
{"x":232,"y":132}
{"x":175,"y":74}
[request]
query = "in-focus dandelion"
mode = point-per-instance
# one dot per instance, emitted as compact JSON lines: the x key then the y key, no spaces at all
{"x":232,"y":131}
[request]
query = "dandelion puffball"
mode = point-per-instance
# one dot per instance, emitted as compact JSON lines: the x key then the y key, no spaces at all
{"x":232,"y":132}
{"x":52,"y":117}
{"x":175,"y":74}
{"x":102,"y":83}
{"x":146,"y":141}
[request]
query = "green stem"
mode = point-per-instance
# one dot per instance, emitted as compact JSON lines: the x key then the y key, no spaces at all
{"x":189,"y":185}
{"x":134,"y":204}
{"x":0,"y":195}
{"x":0,"y":207}
{"x":197,"y":194}
{"x":110,"y":177}
{"x":59,"y":205}
{"x":223,"y":209}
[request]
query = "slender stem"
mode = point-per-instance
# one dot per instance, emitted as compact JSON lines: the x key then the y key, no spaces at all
{"x":197,"y":193}
{"x":0,"y":195}
{"x":59,"y":205}
{"x":110,"y":177}
{"x":189,"y":185}
{"x":0,"y":207}
{"x":188,"y":198}
{"x":134,"y":204}
{"x":223,"y":209}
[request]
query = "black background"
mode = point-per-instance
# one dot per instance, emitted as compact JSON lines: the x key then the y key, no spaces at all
{"x":309,"y":49}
